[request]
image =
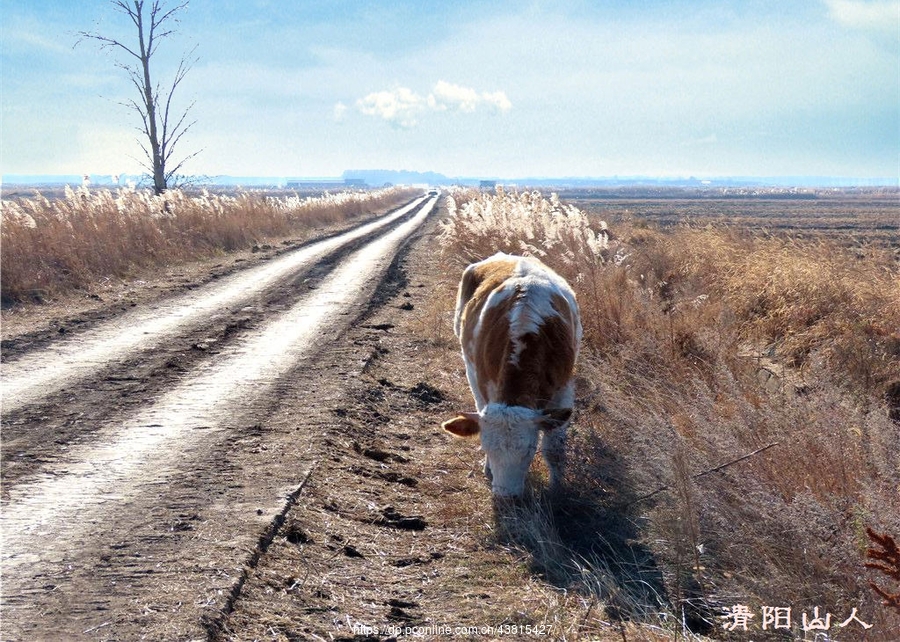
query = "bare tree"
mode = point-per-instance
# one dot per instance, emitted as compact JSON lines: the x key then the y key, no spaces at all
{"x":161,"y":128}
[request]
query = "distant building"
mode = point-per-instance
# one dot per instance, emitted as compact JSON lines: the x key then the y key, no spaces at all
{"x":315,"y":183}
{"x":488,"y":185}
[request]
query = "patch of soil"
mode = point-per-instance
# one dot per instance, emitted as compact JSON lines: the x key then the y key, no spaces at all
{"x":397,"y":521}
{"x":76,"y":411}
{"x":31,"y":324}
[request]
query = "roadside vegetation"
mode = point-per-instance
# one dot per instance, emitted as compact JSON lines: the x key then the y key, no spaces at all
{"x":56,"y":245}
{"x":737,"y":429}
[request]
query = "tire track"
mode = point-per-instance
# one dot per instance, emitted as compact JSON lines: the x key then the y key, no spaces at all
{"x":61,"y":518}
{"x":72,"y":414}
{"x":33,"y":376}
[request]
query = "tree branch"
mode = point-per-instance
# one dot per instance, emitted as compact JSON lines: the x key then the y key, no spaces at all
{"x":174,"y":171}
{"x":705,"y":472}
{"x":105,"y":43}
{"x":183,"y":68}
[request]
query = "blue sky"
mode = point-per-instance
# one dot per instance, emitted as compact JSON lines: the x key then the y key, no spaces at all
{"x":500,"y":89}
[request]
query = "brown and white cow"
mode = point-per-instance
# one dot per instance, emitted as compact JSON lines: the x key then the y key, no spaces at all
{"x":518,"y":323}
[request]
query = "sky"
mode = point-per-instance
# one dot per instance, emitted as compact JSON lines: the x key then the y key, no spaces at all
{"x":499,"y":89}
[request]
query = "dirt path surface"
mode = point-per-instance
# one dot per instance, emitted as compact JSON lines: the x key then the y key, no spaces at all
{"x":273,"y":469}
{"x":32,"y":376}
{"x":392,"y":532}
{"x":138,"y":491}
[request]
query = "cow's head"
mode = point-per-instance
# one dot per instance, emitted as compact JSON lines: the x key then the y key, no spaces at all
{"x":509,"y":438}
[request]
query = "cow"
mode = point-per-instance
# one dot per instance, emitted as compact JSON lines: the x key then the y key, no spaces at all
{"x":519,"y":328}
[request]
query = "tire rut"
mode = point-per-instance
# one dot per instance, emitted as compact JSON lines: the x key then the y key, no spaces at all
{"x":33,"y":375}
{"x":162,"y":502}
{"x":72,"y":415}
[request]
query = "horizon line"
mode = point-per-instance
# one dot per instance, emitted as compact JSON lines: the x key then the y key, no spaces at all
{"x":64,"y":178}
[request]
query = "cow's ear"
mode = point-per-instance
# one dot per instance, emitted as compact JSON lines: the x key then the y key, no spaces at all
{"x":464,"y":425}
{"x":555,"y":418}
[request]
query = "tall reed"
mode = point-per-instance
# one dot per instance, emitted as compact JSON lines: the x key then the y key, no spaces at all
{"x":733,"y":439}
{"x":54,"y":245}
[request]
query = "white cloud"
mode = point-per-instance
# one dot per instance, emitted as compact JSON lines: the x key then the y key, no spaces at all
{"x":879,"y":15}
{"x":498,"y":100}
{"x":447,"y":95}
{"x":402,"y":107}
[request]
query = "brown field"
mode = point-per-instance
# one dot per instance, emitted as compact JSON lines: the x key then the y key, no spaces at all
{"x":849,"y":217}
{"x":736,"y":431}
{"x":740,"y":371}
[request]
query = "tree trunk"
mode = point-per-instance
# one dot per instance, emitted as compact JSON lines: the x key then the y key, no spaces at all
{"x":159,"y":170}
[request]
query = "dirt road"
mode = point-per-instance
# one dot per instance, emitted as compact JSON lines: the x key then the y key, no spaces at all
{"x":141,"y":478}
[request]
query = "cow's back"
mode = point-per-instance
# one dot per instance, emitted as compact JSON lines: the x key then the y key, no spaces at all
{"x":518,"y":324}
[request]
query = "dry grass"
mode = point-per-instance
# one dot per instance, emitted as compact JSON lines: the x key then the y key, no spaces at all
{"x":50,"y":246}
{"x":663,"y":520}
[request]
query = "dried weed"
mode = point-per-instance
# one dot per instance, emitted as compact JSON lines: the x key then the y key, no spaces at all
{"x":677,"y":504}
{"x":68,"y":243}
